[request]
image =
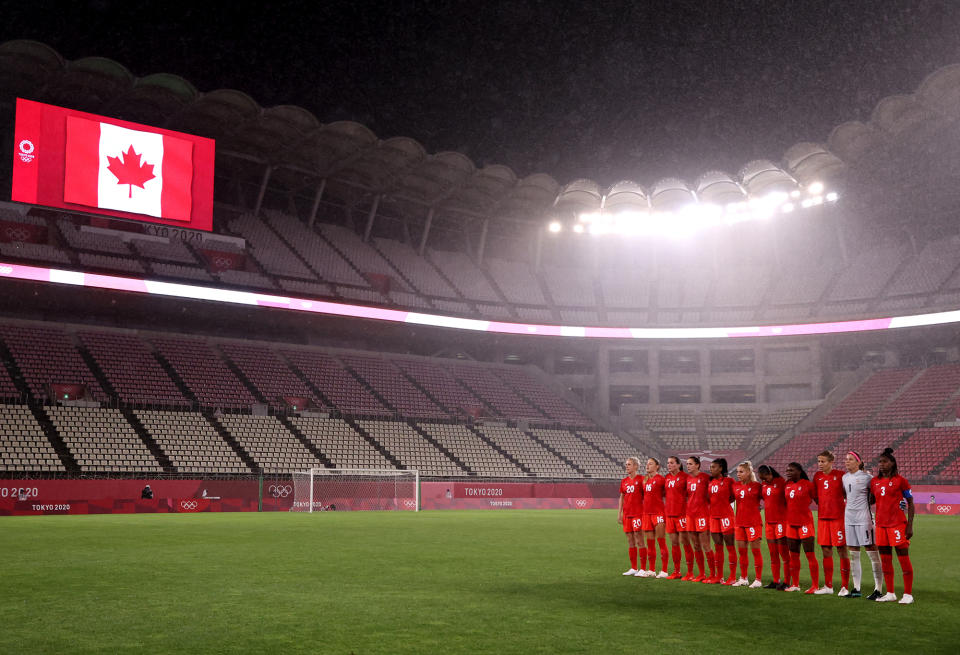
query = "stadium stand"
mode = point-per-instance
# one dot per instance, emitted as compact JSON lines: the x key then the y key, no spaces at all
{"x":855,"y":409}
{"x":47,"y":355}
{"x":23,"y":444}
{"x":527,"y":452}
{"x":410,"y":448}
{"x":482,"y":459}
{"x":131,"y":369}
{"x":102,"y":440}
{"x":587,"y":458}
{"x":934,"y":387}
{"x":330,"y":378}
{"x":191,"y":443}
{"x":269,"y":443}
{"x":386,"y":381}
{"x":340,"y":443}
{"x":803,"y":449}
{"x":269,"y":375}
{"x":204,"y":372}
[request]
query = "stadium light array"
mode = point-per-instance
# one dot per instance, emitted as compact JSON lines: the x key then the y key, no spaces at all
{"x":693,"y":218}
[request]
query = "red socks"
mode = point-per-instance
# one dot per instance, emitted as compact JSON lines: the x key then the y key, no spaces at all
{"x":907,"y":567}
{"x":732,"y":556}
{"x":845,"y":572}
{"x":757,"y":562}
{"x":814,"y":569}
{"x":743,"y":561}
{"x":774,"y":549}
{"x":642,"y":552}
{"x":718,"y":559}
{"x":651,"y":554}
{"x":886,"y":563}
{"x":633,"y":557}
{"x":662,"y":543}
{"x":698,"y":556}
{"x":794,"y":569}
{"x":712,"y":561}
{"x":828,"y":571}
{"x":675,"y":552}
{"x":688,"y":556}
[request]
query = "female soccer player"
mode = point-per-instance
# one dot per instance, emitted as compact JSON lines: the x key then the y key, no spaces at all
{"x":698,"y":517}
{"x":748,"y":529}
{"x":721,"y":521}
{"x":893,"y":529}
{"x":799,"y":493}
{"x":653,"y":520}
{"x":829,"y":495}
{"x":676,"y":484}
{"x":630,"y":511}
{"x":858,"y":523}
{"x":774,"y":509}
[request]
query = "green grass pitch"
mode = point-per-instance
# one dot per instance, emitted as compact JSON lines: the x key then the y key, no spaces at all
{"x":434,"y":582}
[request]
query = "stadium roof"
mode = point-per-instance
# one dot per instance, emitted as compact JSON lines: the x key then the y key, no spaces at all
{"x":354,"y":163}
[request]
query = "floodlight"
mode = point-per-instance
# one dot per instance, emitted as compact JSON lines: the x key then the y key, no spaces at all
{"x":815,"y":188}
{"x":833,"y":196}
{"x":555,"y":226}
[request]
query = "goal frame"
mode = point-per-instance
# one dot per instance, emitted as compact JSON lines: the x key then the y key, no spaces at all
{"x":387,"y":473}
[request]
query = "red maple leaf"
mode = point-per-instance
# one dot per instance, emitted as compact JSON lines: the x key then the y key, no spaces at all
{"x":128,"y":169}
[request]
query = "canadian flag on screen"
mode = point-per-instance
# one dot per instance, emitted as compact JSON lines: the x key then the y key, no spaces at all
{"x":112,"y":167}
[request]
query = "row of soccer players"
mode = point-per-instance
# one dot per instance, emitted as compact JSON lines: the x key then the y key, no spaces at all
{"x":694,"y":508}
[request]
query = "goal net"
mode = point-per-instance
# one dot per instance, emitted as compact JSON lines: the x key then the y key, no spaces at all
{"x":328,"y":490}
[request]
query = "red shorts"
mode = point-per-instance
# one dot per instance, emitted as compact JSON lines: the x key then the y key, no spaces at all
{"x":721,"y":526}
{"x":697,"y":523}
{"x":892,"y":536}
{"x":748,"y":533}
{"x":800,"y":532}
{"x":676,"y":524}
{"x":651,"y":521}
{"x":830,"y":532}
{"x":775,"y":530}
{"x":631,"y":524}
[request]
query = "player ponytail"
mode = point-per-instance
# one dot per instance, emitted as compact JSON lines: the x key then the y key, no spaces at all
{"x":765,"y":469}
{"x":888,"y":454}
{"x":722,"y":463}
{"x":748,"y":465}
{"x":799,"y":467}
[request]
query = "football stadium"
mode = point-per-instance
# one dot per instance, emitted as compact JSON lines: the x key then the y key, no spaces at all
{"x":282,"y":385}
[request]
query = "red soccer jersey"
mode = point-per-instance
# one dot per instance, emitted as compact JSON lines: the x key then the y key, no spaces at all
{"x":677,"y":494}
{"x":798,"y":495}
{"x":653,"y":495}
{"x":747,"y":496}
{"x":888,"y":493}
{"x":773,"y":502}
{"x":721,"y":495}
{"x":697,"y":495}
{"x":632,"y":491}
{"x":828,"y":492}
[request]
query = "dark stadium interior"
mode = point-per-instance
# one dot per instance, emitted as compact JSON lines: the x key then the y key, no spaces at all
{"x":321,"y":209}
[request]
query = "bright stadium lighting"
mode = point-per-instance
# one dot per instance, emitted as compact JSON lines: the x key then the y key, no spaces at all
{"x":795,"y":193}
{"x":815,"y":188}
{"x":833,"y":196}
{"x":555,"y":227}
{"x":578,"y":228}
{"x":788,"y":207}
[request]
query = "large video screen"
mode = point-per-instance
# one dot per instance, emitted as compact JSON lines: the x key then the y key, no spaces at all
{"x":87,"y":163}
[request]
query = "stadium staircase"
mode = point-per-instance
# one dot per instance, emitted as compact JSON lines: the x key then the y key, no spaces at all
{"x":443,"y":276}
{"x":342,"y":254}
{"x":497,"y":290}
{"x":439,"y":446}
{"x":53,"y":436}
{"x":94,"y":367}
{"x":366,"y":385}
{"x":15,"y":373}
{"x":400,"y":274}
{"x":172,"y":373}
{"x":236,"y":370}
{"x":227,"y":437}
{"x":352,"y":422}
{"x":452,"y":411}
{"x":944,"y":463}
{"x":556,"y":453}
{"x":513,"y":460}
{"x":148,"y":440}
{"x":302,"y":438}
{"x":319,"y":395}
{"x":283,"y":239}
{"x":596,"y":447}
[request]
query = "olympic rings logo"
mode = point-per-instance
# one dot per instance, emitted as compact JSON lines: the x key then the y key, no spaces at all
{"x":188,"y":504}
{"x":279,"y":490}
{"x":581,"y":503}
{"x":410,"y":503}
{"x":943,"y":509}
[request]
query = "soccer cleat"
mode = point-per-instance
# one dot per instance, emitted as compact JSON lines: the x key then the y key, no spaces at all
{"x":729,"y":582}
{"x":907,"y":599}
{"x":756,"y":584}
{"x":711,"y":580}
{"x":630,"y":572}
{"x":741,"y":582}
{"x":794,"y":588}
{"x":662,"y":575}
{"x":640,"y":574}
{"x":811,"y":591}
{"x":676,"y":575}
{"x":782,"y":586}
{"x":823,"y":591}
{"x":888,"y":597}
{"x":875,"y":595}
{"x":855,"y":594}
{"x":772,"y":585}
{"x":699,"y":578}
{"x":650,"y":574}
{"x":688,"y":577}
{"x":843,"y":593}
